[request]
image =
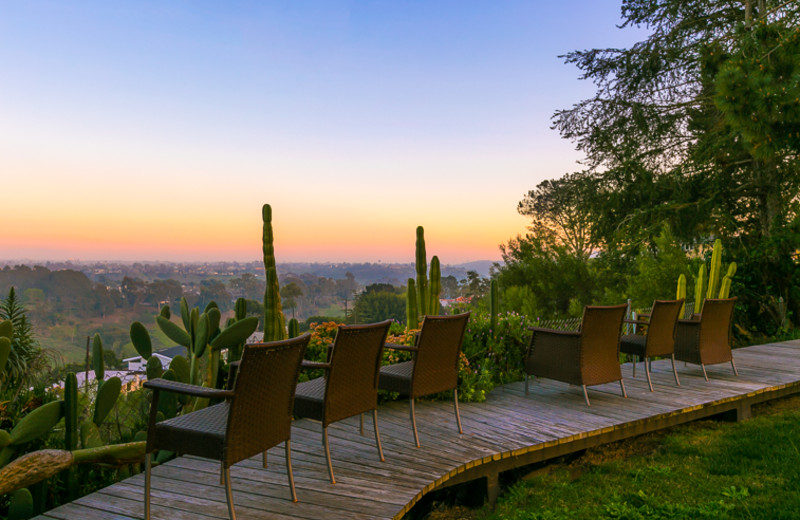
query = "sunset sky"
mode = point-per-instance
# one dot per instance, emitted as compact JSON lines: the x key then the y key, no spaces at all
{"x":155,"y":130}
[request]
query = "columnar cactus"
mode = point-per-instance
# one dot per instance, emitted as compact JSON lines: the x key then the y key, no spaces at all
{"x":274,"y":321}
{"x":294,"y":328}
{"x":681,"y":293}
{"x":714,"y":272}
{"x":425,"y":299}
{"x":435,"y":283}
{"x":698,"y":289}
{"x":725,"y":287}
{"x":421,"y":265}
{"x":718,"y":286}
{"x":412,"y":314}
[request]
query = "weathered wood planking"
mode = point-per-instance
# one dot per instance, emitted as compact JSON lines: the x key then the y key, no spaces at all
{"x":509,"y":430}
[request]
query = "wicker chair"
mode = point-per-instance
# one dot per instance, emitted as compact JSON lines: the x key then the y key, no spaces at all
{"x":587,"y":357}
{"x":707,"y":340}
{"x":660,"y":337}
{"x":434,"y":367}
{"x":350,"y":384}
{"x":255,"y":416}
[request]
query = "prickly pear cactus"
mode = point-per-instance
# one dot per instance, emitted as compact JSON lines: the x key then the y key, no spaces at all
{"x":154,"y":368}
{"x":98,"y":363}
{"x":5,"y":352}
{"x":141,"y":339}
{"x":107,"y":396}
{"x":21,"y":505}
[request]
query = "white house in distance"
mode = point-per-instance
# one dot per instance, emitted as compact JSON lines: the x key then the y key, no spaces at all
{"x":139,"y":364}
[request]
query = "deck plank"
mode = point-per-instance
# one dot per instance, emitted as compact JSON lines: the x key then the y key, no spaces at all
{"x":508,"y":430}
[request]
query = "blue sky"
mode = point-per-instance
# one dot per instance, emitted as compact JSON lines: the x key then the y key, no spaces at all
{"x":155,"y":130}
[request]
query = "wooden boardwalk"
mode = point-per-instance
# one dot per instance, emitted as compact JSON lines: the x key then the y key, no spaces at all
{"x":507,"y":431}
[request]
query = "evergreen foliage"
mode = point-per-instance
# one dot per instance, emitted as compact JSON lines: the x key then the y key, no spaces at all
{"x":25,"y":348}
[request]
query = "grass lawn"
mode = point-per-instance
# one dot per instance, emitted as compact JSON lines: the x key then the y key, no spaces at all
{"x":701,"y":470}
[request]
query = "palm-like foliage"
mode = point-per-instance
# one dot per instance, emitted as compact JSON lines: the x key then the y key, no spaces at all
{"x":25,"y":351}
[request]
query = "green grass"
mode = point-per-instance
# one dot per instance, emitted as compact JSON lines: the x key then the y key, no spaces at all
{"x":702,"y":470}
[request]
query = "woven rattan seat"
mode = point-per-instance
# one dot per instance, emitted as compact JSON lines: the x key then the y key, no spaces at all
{"x":584,"y":358}
{"x":707,"y":340}
{"x":255,"y":416}
{"x":350,"y":384}
{"x":434,"y":367}
{"x":660,"y":338}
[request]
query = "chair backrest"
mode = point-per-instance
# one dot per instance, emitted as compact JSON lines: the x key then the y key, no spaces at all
{"x":661,"y":328}
{"x":600,"y":331}
{"x":352,"y":384}
{"x":715,"y":324}
{"x":260,"y":414}
{"x":436,"y":361}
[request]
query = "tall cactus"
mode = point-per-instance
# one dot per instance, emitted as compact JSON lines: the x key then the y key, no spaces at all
{"x":435,"y":283}
{"x":294,"y":328}
{"x":274,"y":320}
{"x":699,"y":289}
{"x":714,"y":272}
{"x":425,"y":298}
{"x":412,"y":314}
{"x":681,"y":293}
{"x":727,"y":280}
{"x":421,"y":265}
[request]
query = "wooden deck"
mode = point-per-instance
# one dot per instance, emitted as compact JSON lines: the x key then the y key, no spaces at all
{"x":507,"y":431}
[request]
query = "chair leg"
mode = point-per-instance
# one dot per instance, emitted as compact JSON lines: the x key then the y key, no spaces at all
{"x":586,"y":396}
{"x":647,"y":371}
{"x":288,"y":449}
{"x":635,"y":357}
{"x":229,"y":493}
{"x":221,"y":474}
{"x":148,"y":463}
{"x":377,"y":433}
{"x":704,"y":370}
{"x":674,"y":371}
{"x":622,"y":385}
{"x":458,"y":415}
{"x":328,"y":453}
{"x":264,"y":459}
{"x":735,"y":372}
{"x":414,"y":421}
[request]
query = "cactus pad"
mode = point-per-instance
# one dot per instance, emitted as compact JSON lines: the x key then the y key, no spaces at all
{"x":37,"y":423}
{"x":107,"y":396}
{"x":141,"y":340}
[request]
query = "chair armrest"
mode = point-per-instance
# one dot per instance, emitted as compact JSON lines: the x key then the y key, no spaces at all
{"x":554,"y":331}
{"x":395,"y":346}
{"x":315,"y":364}
{"x":187,"y":389}
{"x":637,"y":322}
